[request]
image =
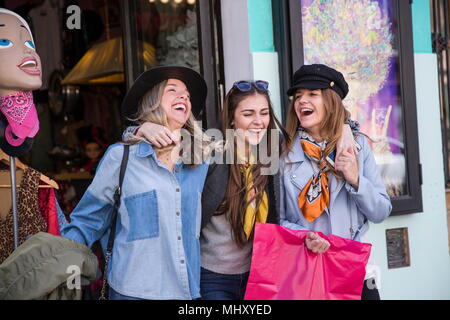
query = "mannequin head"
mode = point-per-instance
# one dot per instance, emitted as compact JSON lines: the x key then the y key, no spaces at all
{"x":20,"y":73}
{"x":20,"y":65}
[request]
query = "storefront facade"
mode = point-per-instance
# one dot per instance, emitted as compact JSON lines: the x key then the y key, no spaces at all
{"x":91,"y":52}
{"x":229,"y":40}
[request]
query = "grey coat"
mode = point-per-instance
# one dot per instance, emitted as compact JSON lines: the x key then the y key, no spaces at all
{"x":42,"y":266}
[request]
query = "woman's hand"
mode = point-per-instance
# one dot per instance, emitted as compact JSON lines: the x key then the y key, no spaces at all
{"x":315,"y":243}
{"x":346,"y":141}
{"x":347,"y":163}
{"x":159,"y":136}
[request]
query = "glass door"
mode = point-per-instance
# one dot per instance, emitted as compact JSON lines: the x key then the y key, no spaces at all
{"x":175,"y":32}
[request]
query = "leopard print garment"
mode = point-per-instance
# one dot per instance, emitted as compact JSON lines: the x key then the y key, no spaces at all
{"x":30,"y":218}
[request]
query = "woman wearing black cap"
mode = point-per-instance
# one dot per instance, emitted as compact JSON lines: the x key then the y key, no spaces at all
{"x":322,"y":192}
{"x":156,"y":252}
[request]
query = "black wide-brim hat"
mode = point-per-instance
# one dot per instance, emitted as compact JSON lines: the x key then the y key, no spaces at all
{"x":319,"y":76}
{"x":191,"y":78}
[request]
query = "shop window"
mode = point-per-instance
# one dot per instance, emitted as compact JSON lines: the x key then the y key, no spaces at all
{"x":174,"y":32}
{"x":370,"y":41}
{"x":440,"y":28}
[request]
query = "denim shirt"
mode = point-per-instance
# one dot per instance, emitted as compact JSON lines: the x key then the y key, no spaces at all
{"x":156,"y":251}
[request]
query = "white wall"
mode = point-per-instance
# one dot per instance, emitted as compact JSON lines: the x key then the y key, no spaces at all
{"x":236,"y":42}
{"x":428,"y":277}
{"x":265,"y":67}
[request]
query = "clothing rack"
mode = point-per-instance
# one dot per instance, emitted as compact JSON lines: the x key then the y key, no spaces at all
{"x":12,"y":165}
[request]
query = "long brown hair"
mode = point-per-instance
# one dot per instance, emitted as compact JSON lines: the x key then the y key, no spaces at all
{"x":331,"y":127}
{"x":235,"y":202}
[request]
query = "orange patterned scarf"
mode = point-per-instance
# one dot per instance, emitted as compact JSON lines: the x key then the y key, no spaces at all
{"x":315,"y":196}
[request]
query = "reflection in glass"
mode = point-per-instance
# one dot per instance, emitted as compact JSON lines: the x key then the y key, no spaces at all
{"x":358,"y":38}
{"x":170,"y":28}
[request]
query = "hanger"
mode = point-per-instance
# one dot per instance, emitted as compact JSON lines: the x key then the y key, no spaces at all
{"x":50,"y":183}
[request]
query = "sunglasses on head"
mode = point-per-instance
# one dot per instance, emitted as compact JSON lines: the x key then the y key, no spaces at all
{"x":245,"y":86}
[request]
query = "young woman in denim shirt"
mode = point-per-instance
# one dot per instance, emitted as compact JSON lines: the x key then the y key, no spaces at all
{"x":237,"y":194}
{"x":321,"y":191}
{"x":156,"y":253}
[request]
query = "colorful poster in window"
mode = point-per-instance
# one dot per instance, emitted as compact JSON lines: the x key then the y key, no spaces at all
{"x":358,"y":38}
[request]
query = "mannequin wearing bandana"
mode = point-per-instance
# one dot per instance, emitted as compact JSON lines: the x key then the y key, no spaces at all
{"x":21,"y":73}
{"x":322,"y":191}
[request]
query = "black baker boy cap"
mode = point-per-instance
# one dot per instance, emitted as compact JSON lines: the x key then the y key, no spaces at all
{"x":319,"y":76}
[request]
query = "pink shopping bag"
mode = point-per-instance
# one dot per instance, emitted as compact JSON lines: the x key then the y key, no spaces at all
{"x":283,"y":268}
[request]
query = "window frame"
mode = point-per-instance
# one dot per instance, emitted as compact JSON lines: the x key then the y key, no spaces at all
{"x":440,"y":28}
{"x":286,"y":23}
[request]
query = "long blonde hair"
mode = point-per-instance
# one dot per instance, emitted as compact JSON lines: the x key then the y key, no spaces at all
{"x":150,"y":110}
{"x":332,"y":125}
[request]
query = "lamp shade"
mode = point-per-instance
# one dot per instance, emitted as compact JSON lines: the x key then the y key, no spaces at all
{"x":103,"y":64}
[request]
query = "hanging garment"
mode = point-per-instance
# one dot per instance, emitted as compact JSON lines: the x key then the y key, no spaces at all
{"x":45,"y":267}
{"x":30,"y":218}
{"x":47,"y":207}
{"x":5,"y":191}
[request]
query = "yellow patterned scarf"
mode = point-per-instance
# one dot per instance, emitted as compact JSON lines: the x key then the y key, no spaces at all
{"x":253,"y":214}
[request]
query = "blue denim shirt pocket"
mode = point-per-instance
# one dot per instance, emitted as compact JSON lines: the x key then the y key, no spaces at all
{"x":143,"y":215}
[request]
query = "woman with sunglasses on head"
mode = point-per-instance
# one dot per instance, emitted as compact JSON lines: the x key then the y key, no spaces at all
{"x":156,"y":252}
{"x":236,"y":195}
{"x":231,"y":209}
{"x":321,"y":191}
